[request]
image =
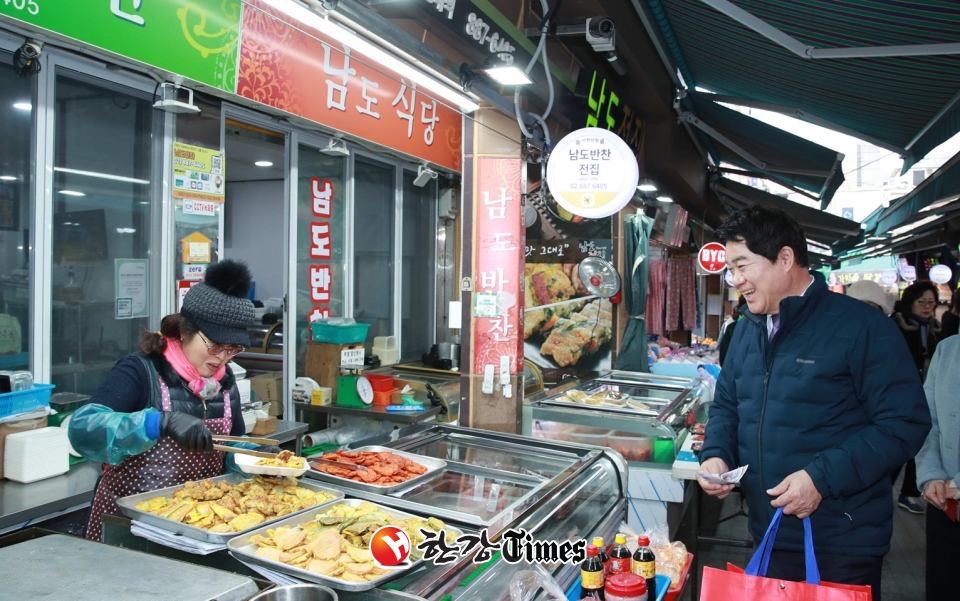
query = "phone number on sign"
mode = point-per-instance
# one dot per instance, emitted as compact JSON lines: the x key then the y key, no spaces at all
{"x":589,"y":186}
{"x":28,"y":5}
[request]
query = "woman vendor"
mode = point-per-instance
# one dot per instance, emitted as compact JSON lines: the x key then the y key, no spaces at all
{"x":152,"y":419}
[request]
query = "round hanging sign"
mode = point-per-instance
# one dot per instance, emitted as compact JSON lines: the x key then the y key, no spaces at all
{"x":592,"y":173}
{"x":728,"y":278}
{"x":908,"y":273}
{"x":713,"y":257}
{"x":889,"y":277}
{"x":940,"y":274}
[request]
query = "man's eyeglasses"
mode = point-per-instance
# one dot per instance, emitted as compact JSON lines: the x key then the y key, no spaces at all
{"x":216,"y":349}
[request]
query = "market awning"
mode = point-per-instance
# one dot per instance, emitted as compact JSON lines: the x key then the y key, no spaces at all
{"x":751,"y":144}
{"x":886,"y":71}
{"x":818,"y":226}
{"x":942,"y":185}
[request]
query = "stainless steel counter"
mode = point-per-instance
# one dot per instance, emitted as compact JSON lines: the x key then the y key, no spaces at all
{"x":287,"y":431}
{"x":22,"y":503}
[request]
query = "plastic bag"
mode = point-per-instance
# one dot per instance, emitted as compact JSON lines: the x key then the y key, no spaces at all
{"x":526,"y":584}
{"x":352,"y":434}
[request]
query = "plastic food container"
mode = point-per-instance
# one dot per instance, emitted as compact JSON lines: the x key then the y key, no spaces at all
{"x":546,"y":430}
{"x":633,"y":447}
{"x":587,"y":435}
{"x":383,"y":398}
{"x":339,"y":334}
{"x":381,"y":383}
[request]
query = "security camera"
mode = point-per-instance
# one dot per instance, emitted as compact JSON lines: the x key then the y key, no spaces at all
{"x":601,"y":33}
{"x":26,"y":59}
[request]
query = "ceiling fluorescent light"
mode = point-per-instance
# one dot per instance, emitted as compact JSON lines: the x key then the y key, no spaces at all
{"x":370,"y":50}
{"x":508,"y":75}
{"x":647,"y":187}
{"x":71,"y":193}
{"x":264,"y":164}
{"x":116,"y":178}
{"x":664,"y":199}
{"x":8,"y":178}
{"x":23,"y":106}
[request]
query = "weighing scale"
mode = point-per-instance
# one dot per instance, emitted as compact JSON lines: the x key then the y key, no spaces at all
{"x":354,"y":389}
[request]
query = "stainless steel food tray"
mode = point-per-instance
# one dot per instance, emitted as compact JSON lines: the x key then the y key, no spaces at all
{"x":434,"y":466}
{"x":128,"y":508}
{"x":242,"y":549}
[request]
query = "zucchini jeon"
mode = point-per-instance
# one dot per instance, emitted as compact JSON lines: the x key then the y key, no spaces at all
{"x":581,"y":334}
{"x":547,"y":283}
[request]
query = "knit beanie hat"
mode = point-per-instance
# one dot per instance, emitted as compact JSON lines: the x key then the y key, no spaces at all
{"x":871,"y":292}
{"x":219,"y":305}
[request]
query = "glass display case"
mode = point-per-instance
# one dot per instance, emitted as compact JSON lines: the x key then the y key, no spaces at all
{"x":637,"y":414}
{"x":493,"y":481}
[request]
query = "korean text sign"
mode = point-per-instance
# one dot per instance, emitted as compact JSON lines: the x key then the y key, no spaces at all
{"x":500,"y":244}
{"x":297,"y":69}
{"x":193,"y":38}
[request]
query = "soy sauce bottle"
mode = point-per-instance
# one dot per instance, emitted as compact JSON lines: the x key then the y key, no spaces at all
{"x":602,"y":554}
{"x":591,"y":576}
{"x":645,"y":565}
{"x":620,"y":556}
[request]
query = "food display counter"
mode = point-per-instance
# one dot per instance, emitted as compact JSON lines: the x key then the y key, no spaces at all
{"x":489,"y":481}
{"x":497,"y":481}
{"x":642,"y":416}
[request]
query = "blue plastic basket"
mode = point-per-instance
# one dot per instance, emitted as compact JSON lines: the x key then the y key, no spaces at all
{"x":349,"y":334}
{"x":23,"y":401}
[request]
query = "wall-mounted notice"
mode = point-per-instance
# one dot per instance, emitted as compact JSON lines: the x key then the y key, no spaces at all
{"x":130,"y":282}
{"x":197,"y":174}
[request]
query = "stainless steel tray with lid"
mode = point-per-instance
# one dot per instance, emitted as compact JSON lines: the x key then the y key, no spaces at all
{"x":128,"y":508}
{"x":434,"y":466}
{"x":244,"y":550}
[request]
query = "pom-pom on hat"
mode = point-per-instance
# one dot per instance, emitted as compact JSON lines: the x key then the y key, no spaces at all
{"x":219,"y":305}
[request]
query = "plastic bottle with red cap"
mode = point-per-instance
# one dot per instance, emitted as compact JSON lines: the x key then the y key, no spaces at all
{"x":626,"y":587}
{"x":645,"y":564}
{"x":592,"y":578}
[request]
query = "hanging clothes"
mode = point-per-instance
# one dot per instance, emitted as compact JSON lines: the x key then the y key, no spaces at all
{"x":681,"y":295}
{"x":633,"y":347}
{"x":656,"y":297}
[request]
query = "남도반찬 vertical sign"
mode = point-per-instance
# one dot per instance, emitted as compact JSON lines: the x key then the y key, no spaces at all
{"x":500,"y":244}
{"x":197,"y":175}
{"x":193,"y":38}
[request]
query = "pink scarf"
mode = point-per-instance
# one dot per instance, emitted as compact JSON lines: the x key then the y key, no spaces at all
{"x":199,"y":385}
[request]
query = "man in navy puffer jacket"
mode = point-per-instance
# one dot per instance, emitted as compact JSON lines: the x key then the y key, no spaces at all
{"x":816,"y":396}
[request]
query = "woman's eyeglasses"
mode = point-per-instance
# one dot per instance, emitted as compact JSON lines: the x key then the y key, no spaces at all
{"x":926,"y":303}
{"x":216,"y":349}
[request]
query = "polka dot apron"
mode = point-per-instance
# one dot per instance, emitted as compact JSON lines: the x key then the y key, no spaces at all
{"x":166,"y":464}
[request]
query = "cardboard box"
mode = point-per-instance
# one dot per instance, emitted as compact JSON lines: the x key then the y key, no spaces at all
{"x":321,"y":396}
{"x":323,"y":363}
{"x":18,"y":426}
{"x":265,"y":426}
{"x":269,"y":389}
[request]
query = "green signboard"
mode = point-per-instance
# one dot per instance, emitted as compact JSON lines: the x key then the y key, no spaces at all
{"x":193,"y":38}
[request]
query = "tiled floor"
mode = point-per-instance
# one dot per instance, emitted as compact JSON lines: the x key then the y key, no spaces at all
{"x":903,"y":567}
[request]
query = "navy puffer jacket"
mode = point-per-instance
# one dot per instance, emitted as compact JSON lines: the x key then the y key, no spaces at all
{"x":835,"y":394}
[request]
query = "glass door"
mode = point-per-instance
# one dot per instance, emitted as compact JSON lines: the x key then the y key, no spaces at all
{"x":105,"y":231}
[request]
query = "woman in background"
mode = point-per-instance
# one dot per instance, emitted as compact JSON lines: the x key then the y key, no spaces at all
{"x":951,"y":319}
{"x":922,"y":333}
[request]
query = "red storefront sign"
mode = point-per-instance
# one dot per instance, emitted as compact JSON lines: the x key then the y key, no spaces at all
{"x":321,"y":277}
{"x":713,"y":257}
{"x":317,"y":77}
{"x":500,"y":243}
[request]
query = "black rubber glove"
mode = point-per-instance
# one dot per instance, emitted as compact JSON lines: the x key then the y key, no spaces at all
{"x":189,"y":432}
{"x":268,"y":448}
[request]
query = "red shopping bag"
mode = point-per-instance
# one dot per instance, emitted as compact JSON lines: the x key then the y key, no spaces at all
{"x":753,"y":585}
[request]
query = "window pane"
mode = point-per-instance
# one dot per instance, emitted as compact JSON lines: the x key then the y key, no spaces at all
{"x":321,"y":214}
{"x":419,"y":234}
{"x":16,"y":102}
{"x":373,"y":223}
{"x":103,"y":278}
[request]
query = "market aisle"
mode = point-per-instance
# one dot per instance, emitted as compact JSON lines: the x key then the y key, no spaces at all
{"x":903,"y":568}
